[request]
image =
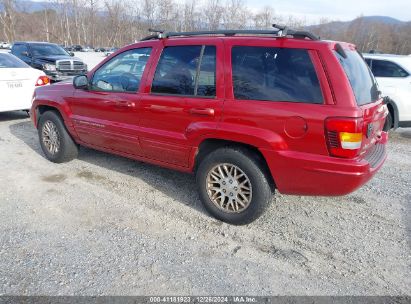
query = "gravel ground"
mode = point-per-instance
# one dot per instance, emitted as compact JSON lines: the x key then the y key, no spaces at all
{"x":104,"y":225}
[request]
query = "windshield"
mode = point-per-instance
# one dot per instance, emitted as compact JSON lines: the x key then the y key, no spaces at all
{"x":10,"y":61}
{"x":47,"y":50}
{"x":361,"y":79}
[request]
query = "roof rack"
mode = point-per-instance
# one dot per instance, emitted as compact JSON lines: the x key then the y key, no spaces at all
{"x":281,"y":31}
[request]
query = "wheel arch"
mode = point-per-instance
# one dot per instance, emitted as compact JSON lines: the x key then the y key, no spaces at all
{"x":393,"y":109}
{"x":41,"y":108}
{"x":211,"y":144}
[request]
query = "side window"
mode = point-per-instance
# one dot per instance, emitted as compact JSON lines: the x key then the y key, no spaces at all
{"x":122,"y":73}
{"x":383,"y":68}
{"x":18,"y":49}
{"x":186,"y":70}
{"x":274,"y":74}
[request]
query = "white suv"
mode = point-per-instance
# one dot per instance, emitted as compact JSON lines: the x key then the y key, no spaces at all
{"x":393,"y":74}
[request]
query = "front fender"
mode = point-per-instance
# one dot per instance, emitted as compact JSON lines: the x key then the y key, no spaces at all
{"x":44,"y":97}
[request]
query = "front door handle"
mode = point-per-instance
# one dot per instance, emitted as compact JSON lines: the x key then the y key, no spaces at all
{"x":202,"y":112}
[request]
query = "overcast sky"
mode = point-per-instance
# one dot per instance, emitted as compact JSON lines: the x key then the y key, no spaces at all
{"x":341,"y":10}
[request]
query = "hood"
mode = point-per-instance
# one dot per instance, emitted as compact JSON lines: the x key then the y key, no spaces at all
{"x":54,"y":58}
{"x":61,"y":89}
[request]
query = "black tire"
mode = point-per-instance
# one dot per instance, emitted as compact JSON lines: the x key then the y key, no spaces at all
{"x":388,"y":122}
{"x":253,"y":168}
{"x":68,"y":149}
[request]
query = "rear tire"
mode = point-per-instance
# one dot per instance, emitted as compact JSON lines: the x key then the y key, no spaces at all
{"x":388,"y":122}
{"x":55,"y":141}
{"x":233,"y":185}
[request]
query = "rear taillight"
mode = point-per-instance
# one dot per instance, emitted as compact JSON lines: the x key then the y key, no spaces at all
{"x":42,"y":81}
{"x":344,"y":136}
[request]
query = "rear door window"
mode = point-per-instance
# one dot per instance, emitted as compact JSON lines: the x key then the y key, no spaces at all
{"x":361,"y":79}
{"x":186,"y":70}
{"x":10,"y":61}
{"x":274,"y":74}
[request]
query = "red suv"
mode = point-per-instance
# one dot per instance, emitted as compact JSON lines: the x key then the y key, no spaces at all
{"x":246,"y":113}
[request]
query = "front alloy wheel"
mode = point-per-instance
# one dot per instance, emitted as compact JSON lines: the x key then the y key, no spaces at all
{"x":51,"y":137}
{"x":55,"y":141}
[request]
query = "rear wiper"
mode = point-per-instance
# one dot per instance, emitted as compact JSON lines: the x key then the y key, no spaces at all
{"x":339,"y":49}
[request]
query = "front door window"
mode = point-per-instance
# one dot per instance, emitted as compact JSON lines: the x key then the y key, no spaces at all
{"x":122,"y":73}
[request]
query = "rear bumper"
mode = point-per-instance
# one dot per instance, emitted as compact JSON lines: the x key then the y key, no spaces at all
{"x":306,"y":174}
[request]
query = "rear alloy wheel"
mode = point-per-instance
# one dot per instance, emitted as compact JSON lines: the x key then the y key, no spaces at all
{"x":55,"y":141}
{"x":229,"y":188}
{"x":233,"y":185}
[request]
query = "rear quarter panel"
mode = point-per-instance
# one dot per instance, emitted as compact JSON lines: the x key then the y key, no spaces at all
{"x":289,"y":125}
{"x":279,"y":128}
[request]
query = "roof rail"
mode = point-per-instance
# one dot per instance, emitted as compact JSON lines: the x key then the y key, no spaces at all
{"x":280,"y":31}
{"x":285,"y":31}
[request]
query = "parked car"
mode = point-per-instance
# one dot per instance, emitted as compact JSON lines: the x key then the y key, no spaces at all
{"x":17,"y":83}
{"x":88,"y":49}
{"x":246,"y":114}
{"x":76,"y":48}
{"x":56,"y":62}
{"x":5,"y":45}
{"x":111,"y":51}
{"x":100,"y":49}
{"x":68,"y":48}
{"x":393,"y":74}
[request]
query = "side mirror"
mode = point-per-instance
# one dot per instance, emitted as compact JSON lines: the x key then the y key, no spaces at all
{"x":80,"y":82}
{"x":25,"y":53}
{"x":71,"y":54}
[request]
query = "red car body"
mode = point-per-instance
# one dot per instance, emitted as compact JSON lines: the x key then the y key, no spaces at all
{"x":170,"y":130}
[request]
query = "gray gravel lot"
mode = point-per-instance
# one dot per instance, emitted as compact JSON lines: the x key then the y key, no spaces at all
{"x":104,"y":224}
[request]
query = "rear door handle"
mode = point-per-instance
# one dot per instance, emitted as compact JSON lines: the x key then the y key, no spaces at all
{"x":125,"y":104}
{"x":202,"y":112}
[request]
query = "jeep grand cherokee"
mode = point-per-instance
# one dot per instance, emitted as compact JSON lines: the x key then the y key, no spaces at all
{"x":246,"y":113}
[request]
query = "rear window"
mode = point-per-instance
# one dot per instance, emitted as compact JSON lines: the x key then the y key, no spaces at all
{"x":274,"y":74}
{"x":10,"y":61}
{"x":361,"y":79}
